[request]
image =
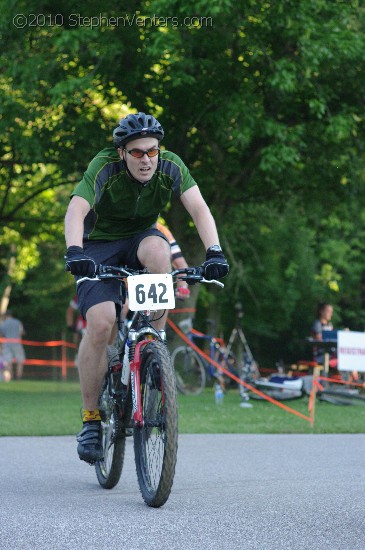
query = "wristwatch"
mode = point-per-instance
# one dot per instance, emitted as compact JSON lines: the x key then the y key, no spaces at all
{"x":214,"y":248}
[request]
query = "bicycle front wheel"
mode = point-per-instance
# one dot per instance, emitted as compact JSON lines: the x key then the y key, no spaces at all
{"x":189,"y":371}
{"x":155,"y":443}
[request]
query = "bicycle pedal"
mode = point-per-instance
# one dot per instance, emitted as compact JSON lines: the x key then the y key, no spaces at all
{"x":89,"y":462}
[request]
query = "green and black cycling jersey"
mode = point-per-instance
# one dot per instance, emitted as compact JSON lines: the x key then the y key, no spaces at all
{"x":120,"y":206}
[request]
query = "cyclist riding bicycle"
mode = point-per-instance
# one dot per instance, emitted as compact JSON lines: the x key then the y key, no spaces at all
{"x":111,"y":220}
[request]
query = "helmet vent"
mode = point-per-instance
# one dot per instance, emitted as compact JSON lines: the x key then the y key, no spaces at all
{"x":134,"y":126}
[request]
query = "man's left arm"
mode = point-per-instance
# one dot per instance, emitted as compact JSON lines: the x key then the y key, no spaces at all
{"x":202,"y":217}
{"x":216,"y":265}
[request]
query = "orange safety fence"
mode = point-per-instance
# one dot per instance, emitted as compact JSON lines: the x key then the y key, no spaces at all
{"x":346,"y":382}
{"x":235,"y":378}
{"x":51,"y":343}
{"x":316,"y":385}
{"x":62,"y":363}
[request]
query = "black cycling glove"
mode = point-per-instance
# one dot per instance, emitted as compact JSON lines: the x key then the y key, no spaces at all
{"x":78,"y":263}
{"x":215,"y":265}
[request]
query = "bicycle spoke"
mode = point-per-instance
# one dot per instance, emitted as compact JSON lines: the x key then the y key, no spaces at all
{"x":156,"y":441}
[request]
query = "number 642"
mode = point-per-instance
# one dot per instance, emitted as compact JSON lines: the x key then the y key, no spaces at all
{"x":157,"y":295}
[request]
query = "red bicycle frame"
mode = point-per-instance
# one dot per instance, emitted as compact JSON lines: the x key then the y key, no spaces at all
{"x":135,"y":367}
{"x":136,"y":384}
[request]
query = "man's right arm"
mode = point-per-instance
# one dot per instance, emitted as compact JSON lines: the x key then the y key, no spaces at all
{"x":76,"y":260}
{"x":74,"y":221}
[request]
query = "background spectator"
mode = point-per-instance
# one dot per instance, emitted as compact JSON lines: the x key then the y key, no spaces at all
{"x":323,"y":320}
{"x":13,"y":351}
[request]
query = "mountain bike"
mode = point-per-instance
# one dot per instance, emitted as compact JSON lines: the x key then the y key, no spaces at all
{"x":192,"y":370}
{"x":139,"y":393}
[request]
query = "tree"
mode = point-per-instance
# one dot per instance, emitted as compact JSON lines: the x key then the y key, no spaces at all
{"x":262,"y":101}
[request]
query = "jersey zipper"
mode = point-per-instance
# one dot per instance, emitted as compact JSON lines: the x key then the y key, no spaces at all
{"x":140,"y":189}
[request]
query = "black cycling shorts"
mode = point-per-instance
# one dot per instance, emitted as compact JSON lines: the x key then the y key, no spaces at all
{"x":122,"y":252}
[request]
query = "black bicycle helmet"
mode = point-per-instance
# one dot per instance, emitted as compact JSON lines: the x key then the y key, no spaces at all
{"x":136,"y":126}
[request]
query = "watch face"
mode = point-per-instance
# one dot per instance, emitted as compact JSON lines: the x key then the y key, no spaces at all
{"x":215,"y":248}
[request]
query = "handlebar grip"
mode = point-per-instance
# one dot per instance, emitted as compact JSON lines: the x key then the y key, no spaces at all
{"x":195,"y":276}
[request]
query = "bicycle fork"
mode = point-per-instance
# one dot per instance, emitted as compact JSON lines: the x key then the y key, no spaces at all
{"x":135,"y":366}
{"x":135,"y":375}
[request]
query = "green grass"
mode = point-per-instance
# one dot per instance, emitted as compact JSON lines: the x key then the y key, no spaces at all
{"x":39,"y":408}
{"x":53,"y":408}
{"x":202,"y":415}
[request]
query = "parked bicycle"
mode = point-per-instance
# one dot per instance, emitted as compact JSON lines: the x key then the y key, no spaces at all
{"x":193,"y":371}
{"x":139,"y":392}
{"x":235,"y":356}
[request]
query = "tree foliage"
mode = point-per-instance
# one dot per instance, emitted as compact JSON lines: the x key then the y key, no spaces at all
{"x":263,"y":101}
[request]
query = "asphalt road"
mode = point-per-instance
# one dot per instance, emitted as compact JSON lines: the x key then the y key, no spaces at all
{"x":230,"y":492}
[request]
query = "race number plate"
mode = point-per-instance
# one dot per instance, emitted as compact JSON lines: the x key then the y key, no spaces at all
{"x":151,"y":291}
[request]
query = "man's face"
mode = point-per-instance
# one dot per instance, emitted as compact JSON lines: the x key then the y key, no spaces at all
{"x":142,"y":169}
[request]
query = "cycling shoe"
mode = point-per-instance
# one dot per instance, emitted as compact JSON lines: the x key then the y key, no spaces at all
{"x":89,"y":440}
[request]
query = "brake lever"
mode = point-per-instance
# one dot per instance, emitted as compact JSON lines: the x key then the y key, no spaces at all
{"x":191,"y":279}
{"x":213,"y":281}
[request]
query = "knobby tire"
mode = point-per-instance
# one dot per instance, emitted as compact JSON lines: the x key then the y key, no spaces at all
{"x":155,"y":443}
{"x":109,"y":470}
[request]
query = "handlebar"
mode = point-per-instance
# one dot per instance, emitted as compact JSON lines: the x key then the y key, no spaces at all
{"x":110,"y":271}
{"x":191,"y":275}
{"x":194,"y":275}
